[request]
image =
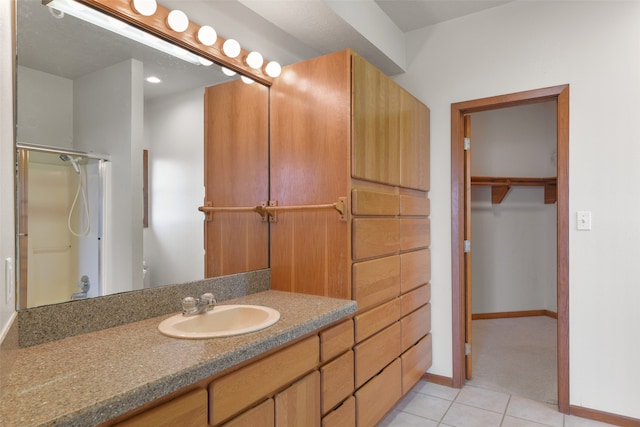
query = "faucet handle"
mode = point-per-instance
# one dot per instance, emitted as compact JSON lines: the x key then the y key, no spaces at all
{"x":189,"y":305}
{"x":208,"y":298}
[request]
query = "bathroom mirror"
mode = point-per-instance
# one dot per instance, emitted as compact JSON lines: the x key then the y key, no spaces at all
{"x":97,"y":144}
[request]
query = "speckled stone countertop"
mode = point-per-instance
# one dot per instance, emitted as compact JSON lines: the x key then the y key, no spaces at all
{"x":88,"y":379}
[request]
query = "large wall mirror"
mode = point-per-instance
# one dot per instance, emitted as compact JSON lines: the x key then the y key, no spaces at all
{"x":112,"y":166}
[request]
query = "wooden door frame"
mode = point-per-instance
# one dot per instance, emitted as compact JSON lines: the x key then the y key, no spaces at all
{"x":560,"y":94}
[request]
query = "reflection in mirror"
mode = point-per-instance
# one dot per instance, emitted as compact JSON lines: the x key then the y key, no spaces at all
{"x":85,"y":114}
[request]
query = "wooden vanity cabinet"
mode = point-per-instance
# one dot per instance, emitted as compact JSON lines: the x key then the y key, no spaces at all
{"x":342,"y":130}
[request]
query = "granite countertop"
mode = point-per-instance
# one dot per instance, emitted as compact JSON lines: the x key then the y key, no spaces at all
{"x":91,"y":378}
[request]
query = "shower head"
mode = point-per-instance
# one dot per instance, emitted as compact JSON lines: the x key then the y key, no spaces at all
{"x":74,"y":162}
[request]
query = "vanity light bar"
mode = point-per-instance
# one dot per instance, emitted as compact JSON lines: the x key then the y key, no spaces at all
{"x":95,"y":17}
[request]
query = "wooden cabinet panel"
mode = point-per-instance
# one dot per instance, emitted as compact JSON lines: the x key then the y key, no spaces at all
{"x":376,"y":319}
{"x":236,"y":174}
{"x":379,"y":395}
{"x":414,"y":299}
{"x":189,"y":410}
{"x":234,"y":392}
{"x":414,"y":142}
{"x":415,"y":269}
{"x":337,"y":381}
{"x":412,"y":205}
{"x":336,"y":340}
{"x":342,"y":416}
{"x":374,"y":237}
{"x":376,"y":103}
{"x":415,"y":363}
{"x":376,"y":281}
{"x":299,"y":404}
{"x":368,"y":202}
{"x":415,"y":233}
{"x":261,"y":415}
{"x":415,"y":326}
{"x":376,"y":352}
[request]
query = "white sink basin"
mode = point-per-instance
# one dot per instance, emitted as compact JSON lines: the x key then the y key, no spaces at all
{"x":222,"y":321}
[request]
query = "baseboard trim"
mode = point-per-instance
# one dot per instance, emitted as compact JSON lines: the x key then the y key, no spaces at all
{"x":509,"y":314}
{"x":438,"y":379}
{"x":605,"y":417}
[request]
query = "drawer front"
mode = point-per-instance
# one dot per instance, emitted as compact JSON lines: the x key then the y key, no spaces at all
{"x":299,"y":404}
{"x":376,"y":352}
{"x":187,"y":410}
{"x":415,"y":269}
{"x":415,"y":233}
{"x":414,"y":299}
{"x":234,"y":392}
{"x":415,"y":326}
{"x":376,"y":319}
{"x":376,"y":281}
{"x":261,"y":415}
{"x":374,"y":237}
{"x":367,"y":202}
{"x":342,"y":416}
{"x":336,"y":381}
{"x":415,"y":363}
{"x":336,"y":340}
{"x":411,"y":205}
{"x":379,"y":395}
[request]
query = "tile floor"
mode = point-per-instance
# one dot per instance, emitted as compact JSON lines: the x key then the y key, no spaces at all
{"x":431,"y":405}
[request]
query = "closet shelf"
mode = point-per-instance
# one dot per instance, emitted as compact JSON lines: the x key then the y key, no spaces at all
{"x":500,"y":186}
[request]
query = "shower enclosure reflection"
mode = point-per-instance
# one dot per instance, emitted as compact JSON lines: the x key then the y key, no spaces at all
{"x":60,"y":203}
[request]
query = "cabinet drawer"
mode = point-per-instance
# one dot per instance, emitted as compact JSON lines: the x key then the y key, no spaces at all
{"x":261,"y":415}
{"x":416,"y":233}
{"x":336,"y":381}
{"x":299,"y":404}
{"x":415,"y":363}
{"x":379,"y":395}
{"x":415,"y":326}
{"x":187,"y":410}
{"x":376,"y":281}
{"x":411,"y":205}
{"x":367,"y":202}
{"x":246,"y":386}
{"x":342,"y":416}
{"x":374,"y":237}
{"x":376,"y":319}
{"x":415,"y":269}
{"x":414,"y":299}
{"x":336,"y":340}
{"x":376,"y":352}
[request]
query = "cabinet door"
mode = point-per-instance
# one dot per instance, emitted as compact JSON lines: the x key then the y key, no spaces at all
{"x":414,"y":143}
{"x":189,"y":410}
{"x":299,"y":404}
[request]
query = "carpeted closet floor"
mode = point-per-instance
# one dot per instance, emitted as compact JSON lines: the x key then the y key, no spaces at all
{"x":516,"y":356}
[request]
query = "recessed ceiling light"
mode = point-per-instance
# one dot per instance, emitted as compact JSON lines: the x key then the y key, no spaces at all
{"x":153,"y":79}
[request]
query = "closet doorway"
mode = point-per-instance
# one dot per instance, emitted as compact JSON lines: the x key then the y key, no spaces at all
{"x":461,"y":203}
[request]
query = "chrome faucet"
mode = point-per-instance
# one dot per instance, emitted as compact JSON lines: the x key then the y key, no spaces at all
{"x":191,"y":305}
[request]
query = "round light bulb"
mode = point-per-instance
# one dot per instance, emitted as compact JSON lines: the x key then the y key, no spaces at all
{"x":231,"y":48}
{"x":273,"y":69}
{"x":178,"y":21}
{"x":207,"y":35}
{"x":228,"y":72}
{"x":247,"y":80}
{"x":254,"y":60}
{"x":144,"y":7}
{"x":205,"y":61}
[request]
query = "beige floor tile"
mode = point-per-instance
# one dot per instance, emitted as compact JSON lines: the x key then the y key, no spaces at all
{"x":531,"y":410}
{"x":436,"y":390}
{"x":518,"y":422}
{"x":403,"y":419}
{"x":483,"y":399}
{"x":570,"y":421}
{"x":468,"y":416}
{"x":424,"y":406}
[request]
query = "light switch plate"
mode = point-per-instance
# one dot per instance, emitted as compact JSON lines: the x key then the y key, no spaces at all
{"x":583,"y":220}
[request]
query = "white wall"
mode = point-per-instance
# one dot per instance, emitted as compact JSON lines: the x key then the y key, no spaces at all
{"x":174,"y":240}
{"x":514,"y":242}
{"x":594,"y":47}
{"x":7,"y":242}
